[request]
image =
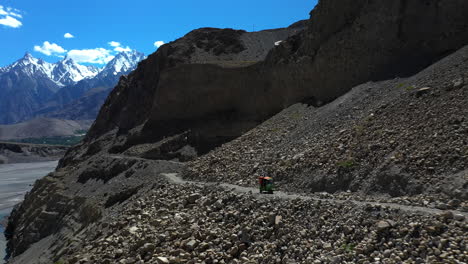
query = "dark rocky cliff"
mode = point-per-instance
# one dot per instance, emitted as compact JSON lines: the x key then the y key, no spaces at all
{"x":351,"y":42}
{"x":215,"y":84}
{"x":196,"y":83}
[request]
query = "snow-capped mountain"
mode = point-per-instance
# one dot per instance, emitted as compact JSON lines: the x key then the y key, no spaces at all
{"x":23,"y":86}
{"x":123,"y":62}
{"x":31,"y":87}
{"x":68,"y":72}
{"x":64,"y":72}
{"x":30,"y":66}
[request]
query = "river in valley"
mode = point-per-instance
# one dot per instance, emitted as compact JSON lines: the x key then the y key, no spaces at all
{"x":15,"y":181}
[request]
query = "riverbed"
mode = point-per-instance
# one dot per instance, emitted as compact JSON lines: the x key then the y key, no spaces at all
{"x":15,"y":181}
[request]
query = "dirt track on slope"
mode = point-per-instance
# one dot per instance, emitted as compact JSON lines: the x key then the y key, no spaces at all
{"x":174,"y":178}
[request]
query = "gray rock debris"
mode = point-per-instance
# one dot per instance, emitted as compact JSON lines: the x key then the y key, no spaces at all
{"x":250,"y":229}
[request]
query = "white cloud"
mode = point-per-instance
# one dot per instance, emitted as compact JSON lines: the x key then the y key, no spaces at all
{"x":68,"y":35}
{"x":48,"y":49}
{"x":120,"y":49}
{"x":14,"y":12}
{"x":9,"y":17}
{"x":97,"y":55}
{"x":10,"y":22}
{"x":114,"y":44}
{"x":159,"y":43}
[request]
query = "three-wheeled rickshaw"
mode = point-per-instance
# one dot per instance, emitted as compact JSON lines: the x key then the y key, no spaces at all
{"x":266,"y":184}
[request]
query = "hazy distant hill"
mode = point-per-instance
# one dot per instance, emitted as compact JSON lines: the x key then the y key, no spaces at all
{"x":43,"y":127}
{"x":84,"y":108}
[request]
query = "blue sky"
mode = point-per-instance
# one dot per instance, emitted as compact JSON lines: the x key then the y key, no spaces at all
{"x":39,"y":26}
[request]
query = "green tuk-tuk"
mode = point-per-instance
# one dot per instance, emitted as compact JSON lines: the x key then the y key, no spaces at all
{"x":266,"y":185}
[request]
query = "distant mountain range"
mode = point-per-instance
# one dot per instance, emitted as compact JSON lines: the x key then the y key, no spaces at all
{"x":31,"y":87}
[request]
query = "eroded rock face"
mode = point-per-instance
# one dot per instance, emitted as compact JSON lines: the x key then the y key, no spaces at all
{"x":195,"y":83}
{"x":351,"y":42}
{"x":400,"y":137}
{"x":216,"y":83}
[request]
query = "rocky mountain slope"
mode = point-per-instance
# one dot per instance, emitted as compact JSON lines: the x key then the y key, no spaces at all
{"x":32,"y":87}
{"x":111,"y":201}
{"x":404,"y":136}
{"x":186,"y":223}
{"x":186,"y":89}
{"x":191,"y":84}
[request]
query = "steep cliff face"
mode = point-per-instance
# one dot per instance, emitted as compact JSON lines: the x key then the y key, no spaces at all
{"x":195,"y":83}
{"x":217,"y":84}
{"x":399,"y":137}
{"x":351,"y":42}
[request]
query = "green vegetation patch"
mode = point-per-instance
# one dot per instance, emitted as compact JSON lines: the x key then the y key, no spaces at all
{"x":406,"y":86}
{"x":81,"y":131}
{"x":350,"y":163}
{"x":296,"y":115}
{"x":348,"y":247}
{"x":59,"y":140}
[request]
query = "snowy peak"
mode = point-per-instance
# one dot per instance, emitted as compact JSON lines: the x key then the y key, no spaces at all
{"x":123,"y":63}
{"x":30,"y":66}
{"x":64,"y":72}
{"x":67,"y":72}
{"x":28,"y":55}
{"x":26,"y":60}
{"x":32,"y":87}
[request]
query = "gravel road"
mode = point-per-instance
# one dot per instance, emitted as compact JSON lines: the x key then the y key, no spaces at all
{"x":174,"y":178}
